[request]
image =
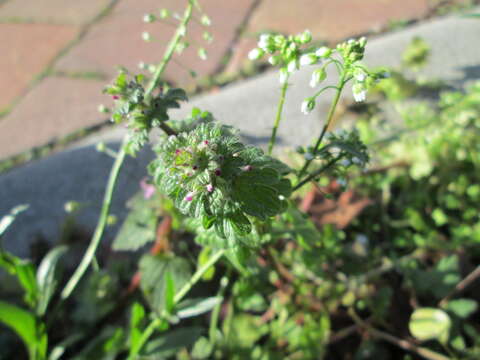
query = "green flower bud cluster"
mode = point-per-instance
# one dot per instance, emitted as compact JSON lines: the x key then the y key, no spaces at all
{"x":212,"y":176}
{"x":139,"y":113}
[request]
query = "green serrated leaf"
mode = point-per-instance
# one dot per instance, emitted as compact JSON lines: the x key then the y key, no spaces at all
{"x":139,"y":227}
{"x":153,"y":281}
{"x":240,"y":223}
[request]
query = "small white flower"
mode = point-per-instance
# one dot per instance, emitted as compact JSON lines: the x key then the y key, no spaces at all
{"x":292,"y":66}
{"x":323,"y":52}
{"x":264,"y":41}
{"x":360,"y":76}
{"x":283,"y":76}
{"x":359,"y":92}
{"x":255,"y":54}
{"x":308,"y":59}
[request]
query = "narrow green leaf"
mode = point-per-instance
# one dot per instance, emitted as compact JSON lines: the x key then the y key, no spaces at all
{"x":46,"y":281}
{"x":25,"y":326}
{"x":7,"y":220}
{"x":169,"y":292}
{"x":137,"y":315}
{"x":195,"y":307}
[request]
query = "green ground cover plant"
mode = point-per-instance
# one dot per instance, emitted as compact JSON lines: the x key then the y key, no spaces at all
{"x":229,"y":253}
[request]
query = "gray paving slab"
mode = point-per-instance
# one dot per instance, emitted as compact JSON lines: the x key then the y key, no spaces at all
{"x":80,"y":173}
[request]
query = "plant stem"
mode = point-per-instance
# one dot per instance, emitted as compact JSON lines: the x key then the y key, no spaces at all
{"x":403,"y":344}
{"x":120,"y":157}
{"x":178,"y":296}
{"x":331,"y":112}
{"x":212,"y":332}
{"x":271,"y":143}
{"x":179,"y":33}
{"x":462,"y":285}
{"x":316,"y":173}
{"x":102,"y":222}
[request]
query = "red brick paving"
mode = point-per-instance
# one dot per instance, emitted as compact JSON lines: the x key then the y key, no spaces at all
{"x":116,"y":40}
{"x":333,"y":20}
{"x":27,"y":49}
{"x":55,"y":108}
{"x":76,"y":12}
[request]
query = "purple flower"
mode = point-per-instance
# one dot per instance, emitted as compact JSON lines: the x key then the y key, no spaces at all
{"x":189,"y":196}
{"x":209,"y":188}
{"x":148,"y":189}
{"x":115,"y":97}
{"x":218,"y":172}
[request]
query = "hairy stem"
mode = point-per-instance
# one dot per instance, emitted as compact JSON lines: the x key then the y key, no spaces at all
{"x":331,"y":112}
{"x":120,"y":157}
{"x":278,"y":118}
{"x":212,"y":332}
{"x":314,"y":174}
{"x":102,"y":222}
{"x":155,"y":323}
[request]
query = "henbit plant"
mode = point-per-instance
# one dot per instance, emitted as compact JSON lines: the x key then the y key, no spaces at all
{"x":233,"y":193}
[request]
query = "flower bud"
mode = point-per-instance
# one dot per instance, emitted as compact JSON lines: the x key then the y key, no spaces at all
{"x":323,"y":52}
{"x":189,"y":196}
{"x":306,"y":37}
{"x":255,"y":54}
{"x":149,"y":18}
{"x":283,"y":75}
{"x":209,"y":188}
{"x":292,"y":66}
{"x":360,"y":75}
{"x":146,"y":36}
{"x":308,"y":105}
{"x":308,"y":59}
{"x":164,"y":13}
{"x":72,"y":206}
{"x":318,"y":76}
{"x":274,"y":60}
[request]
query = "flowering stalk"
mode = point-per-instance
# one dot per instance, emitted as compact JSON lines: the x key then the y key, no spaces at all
{"x":117,"y":165}
{"x":331,"y":112}
{"x":278,"y":118}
